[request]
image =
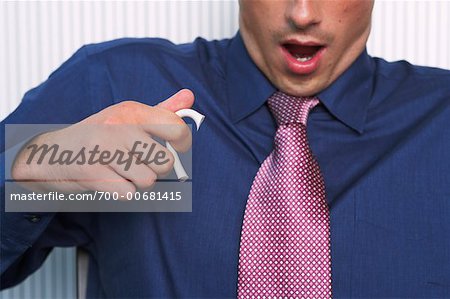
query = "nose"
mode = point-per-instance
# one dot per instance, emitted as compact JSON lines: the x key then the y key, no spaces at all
{"x":302,"y":14}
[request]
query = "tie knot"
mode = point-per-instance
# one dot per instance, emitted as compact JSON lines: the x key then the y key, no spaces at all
{"x":289,"y":109}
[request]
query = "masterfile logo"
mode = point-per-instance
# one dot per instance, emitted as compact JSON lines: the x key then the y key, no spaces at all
{"x":83,"y":174}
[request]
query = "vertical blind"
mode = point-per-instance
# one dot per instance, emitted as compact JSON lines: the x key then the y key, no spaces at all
{"x":36,"y":37}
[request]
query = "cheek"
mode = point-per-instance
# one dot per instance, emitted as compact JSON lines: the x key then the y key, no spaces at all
{"x":261,"y":16}
{"x":354,"y":21}
{"x":361,"y":14}
{"x":249,"y":16}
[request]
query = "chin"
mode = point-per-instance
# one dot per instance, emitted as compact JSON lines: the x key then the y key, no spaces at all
{"x":295,"y":85}
{"x":300,"y":89}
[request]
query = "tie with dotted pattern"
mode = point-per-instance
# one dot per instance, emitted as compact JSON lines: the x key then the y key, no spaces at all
{"x":285,"y":239}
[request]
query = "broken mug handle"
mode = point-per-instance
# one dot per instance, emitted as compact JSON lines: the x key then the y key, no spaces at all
{"x":178,"y":167}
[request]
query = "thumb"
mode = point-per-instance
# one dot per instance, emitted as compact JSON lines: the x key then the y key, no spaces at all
{"x":183,"y":99}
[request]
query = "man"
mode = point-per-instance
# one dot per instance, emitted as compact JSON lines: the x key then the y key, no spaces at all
{"x":378,"y":131}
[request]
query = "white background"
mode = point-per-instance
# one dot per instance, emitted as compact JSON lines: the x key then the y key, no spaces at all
{"x":36,"y":37}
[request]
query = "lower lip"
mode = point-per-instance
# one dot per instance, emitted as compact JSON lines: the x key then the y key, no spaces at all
{"x":299,"y":67}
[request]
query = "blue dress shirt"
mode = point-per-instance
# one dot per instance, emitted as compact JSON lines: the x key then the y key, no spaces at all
{"x":381,"y":137}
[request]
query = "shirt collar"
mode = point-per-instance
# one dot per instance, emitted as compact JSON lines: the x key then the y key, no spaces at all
{"x":248,"y":89}
{"x":349,"y":96}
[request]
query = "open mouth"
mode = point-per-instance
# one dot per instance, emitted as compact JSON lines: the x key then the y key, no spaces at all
{"x":302,"y":53}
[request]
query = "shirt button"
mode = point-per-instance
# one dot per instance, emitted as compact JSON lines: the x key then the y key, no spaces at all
{"x":33,"y":218}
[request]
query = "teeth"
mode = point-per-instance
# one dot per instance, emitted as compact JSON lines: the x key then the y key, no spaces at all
{"x":303,"y":59}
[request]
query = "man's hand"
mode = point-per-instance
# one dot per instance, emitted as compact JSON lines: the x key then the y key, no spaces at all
{"x":116,"y":128}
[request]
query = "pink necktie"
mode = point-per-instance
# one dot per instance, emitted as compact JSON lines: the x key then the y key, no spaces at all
{"x":285,"y":239}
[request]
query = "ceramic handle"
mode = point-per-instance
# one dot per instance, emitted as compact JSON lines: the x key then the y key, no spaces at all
{"x":178,"y":167}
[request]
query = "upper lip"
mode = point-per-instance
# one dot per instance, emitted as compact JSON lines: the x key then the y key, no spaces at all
{"x":293,"y":41}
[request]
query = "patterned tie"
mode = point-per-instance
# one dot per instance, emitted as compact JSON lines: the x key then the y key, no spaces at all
{"x":285,"y":239}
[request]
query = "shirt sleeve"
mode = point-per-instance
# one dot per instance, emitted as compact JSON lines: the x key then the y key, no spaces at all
{"x":27,"y":238}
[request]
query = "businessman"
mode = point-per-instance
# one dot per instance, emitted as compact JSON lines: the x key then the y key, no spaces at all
{"x":319,"y":172}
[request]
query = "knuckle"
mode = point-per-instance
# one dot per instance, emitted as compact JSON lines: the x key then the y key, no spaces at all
{"x":151,"y":180}
{"x":127,"y":105}
{"x":167,"y":166}
{"x":112,"y":119}
{"x":148,"y":182}
{"x":180,"y":132}
{"x":120,"y":112}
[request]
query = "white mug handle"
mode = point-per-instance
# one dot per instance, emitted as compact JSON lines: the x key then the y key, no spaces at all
{"x":198,"y":119}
